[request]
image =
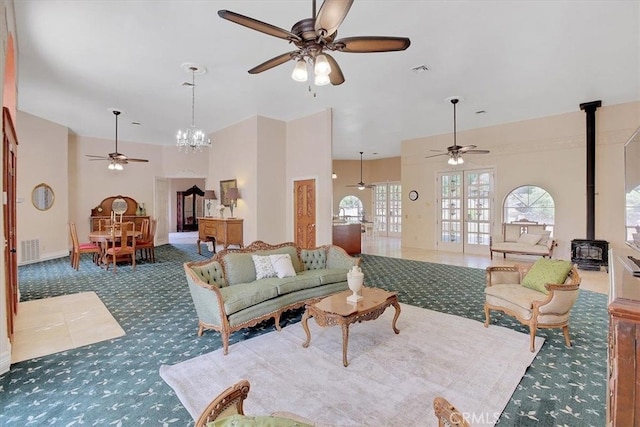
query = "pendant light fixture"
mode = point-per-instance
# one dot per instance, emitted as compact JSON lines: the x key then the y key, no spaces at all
{"x":192,"y":139}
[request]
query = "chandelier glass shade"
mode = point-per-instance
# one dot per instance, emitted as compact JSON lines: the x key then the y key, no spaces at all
{"x":321,"y":70}
{"x":192,"y":138}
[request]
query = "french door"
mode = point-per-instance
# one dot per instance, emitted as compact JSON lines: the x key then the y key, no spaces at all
{"x":387,"y":208}
{"x":465,"y":206}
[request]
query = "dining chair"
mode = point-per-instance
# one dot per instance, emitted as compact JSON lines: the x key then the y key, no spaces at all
{"x":81,"y":248}
{"x":121,"y":245}
{"x":104,"y":224}
{"x":146,"y":245}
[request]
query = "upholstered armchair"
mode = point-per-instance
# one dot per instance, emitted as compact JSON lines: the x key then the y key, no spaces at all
{"x":541,"y":304}
{"x":227,"y":403}
{"x":447,"y":414}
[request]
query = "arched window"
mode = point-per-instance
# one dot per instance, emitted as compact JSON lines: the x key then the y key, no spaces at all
{"x":531,"y":203}
{"x":633,"y":215}
{"x":351,"y":209}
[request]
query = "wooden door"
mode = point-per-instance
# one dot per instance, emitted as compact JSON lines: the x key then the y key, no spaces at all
{"x":304,"y":204}
{"x":10,"y":148}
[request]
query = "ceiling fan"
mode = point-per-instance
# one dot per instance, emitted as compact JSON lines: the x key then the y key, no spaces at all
{"x":456,"y":151}
{"x":117,"y":159}
{"x":361,"y":185}
{"x":313,"y":37}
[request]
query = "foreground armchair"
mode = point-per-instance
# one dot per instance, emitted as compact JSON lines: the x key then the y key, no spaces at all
{"x":227,"y":403}
{"x":532,"y":295}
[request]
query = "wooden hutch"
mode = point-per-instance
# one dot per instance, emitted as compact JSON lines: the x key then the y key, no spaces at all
{"x":105,"y":208}
{"x":623,"y":385}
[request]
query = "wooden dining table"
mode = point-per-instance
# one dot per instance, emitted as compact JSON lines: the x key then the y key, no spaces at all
{"x":104,"y":237}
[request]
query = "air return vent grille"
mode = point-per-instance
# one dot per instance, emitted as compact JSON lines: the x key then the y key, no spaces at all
{"x":30,"y":250}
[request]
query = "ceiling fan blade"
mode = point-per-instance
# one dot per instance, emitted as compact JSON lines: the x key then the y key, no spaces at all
{"x":273,"y":62}
{"x":97,"y":157}
{"x":366,"y":44}
{"x":336,"y":77}
{"x":330,"y":16}
{"x":436,"y":155}
{"x":464,"y":149}
{"x":128,"y":159}
{"x":260,"y":26}
{"x":100,"y":158}
{"x":477,"y":152}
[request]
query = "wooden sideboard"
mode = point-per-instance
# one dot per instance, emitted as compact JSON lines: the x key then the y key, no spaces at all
{"x":104,"y":210}
{"x":225,"y":231}
{"x":623,"y":367}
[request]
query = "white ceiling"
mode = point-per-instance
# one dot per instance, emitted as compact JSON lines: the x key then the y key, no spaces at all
{"x":514,"y":59}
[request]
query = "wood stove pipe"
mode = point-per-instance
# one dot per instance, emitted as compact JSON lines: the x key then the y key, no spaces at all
{"x":590,"y":109}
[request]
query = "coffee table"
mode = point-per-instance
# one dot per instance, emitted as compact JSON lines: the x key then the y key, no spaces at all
{"x":336,"y":310}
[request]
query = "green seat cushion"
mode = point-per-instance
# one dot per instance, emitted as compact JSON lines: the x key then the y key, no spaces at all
{"x":328,"y":275}
{"x":546,"y":271}
{"x":291,"y":284}
{"x":243,"y":295}
{"x":256,"y":421}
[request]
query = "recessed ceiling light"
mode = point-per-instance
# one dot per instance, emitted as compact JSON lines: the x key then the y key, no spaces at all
{"x":374,"y":153}
{"x":420,"y":69}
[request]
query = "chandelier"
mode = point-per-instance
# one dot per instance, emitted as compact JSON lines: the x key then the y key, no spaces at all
{"x":192,"y":138}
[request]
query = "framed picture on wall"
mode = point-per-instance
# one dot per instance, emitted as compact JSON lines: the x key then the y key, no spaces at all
{"x":224,"y":186}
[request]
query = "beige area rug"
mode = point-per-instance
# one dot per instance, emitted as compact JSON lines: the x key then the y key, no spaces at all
{"x":51,"y":325}
{"x":391,"y":379}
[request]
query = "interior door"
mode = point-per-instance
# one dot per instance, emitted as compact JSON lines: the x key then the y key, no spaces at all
{"x":304,"y":204}
{"x":10,"y":151}
{"x":465,"y":210}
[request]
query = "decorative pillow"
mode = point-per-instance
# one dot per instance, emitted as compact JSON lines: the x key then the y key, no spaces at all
{"x":263,"y":265}
{"x":544,"y":236}
{"x":282,"y":265}
{"x":546,"y":271}
{"x":529,"y":239}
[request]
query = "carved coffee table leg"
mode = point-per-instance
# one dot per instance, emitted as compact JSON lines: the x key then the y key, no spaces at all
{"x":395,"y":318}
{"x":305,"y":326}
{"x":345,"y":343}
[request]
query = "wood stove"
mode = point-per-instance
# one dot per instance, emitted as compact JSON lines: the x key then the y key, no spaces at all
{"x":590,"y":254}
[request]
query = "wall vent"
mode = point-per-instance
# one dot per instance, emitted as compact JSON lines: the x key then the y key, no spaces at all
{"x":30,"y":250}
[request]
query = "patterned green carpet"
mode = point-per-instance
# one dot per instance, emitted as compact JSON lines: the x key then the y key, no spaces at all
{"x":117,"y":383}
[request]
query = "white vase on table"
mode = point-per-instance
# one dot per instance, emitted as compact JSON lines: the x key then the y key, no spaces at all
{"x":355,"y":280}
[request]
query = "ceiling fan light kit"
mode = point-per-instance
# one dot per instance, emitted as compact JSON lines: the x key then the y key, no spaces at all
{"x":314,"y":37}
{"x":456,"y":151}
{"x":192,"y":139}
{"x":361,"y":185}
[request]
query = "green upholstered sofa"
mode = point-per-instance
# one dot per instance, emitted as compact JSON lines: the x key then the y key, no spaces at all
{"x":228,"y":297}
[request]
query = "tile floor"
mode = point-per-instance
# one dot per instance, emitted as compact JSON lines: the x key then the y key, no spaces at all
{"x":51,"y":325}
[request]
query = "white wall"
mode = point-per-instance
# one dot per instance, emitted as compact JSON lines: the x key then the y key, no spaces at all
{"x":42,"y":158}
{"x":309,"y":151}
{"x":271,"y":205}
{"x":549,"y":152}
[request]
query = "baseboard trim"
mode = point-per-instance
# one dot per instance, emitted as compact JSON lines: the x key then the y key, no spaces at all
{"x":5,"y":359}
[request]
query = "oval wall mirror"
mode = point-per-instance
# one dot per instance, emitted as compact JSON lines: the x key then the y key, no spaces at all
{"x":42,"y":197}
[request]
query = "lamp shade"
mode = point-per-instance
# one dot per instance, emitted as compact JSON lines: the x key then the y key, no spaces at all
{"x":210,"y":194}
{"x":299,"y":73}
{"x":233,"y":194}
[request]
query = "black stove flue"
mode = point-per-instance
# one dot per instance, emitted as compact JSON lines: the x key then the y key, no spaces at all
{"x":589,"y":253}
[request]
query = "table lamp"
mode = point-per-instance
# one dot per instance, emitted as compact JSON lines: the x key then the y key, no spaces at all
{"x":233,"y":195}
{"x":209,"y":195}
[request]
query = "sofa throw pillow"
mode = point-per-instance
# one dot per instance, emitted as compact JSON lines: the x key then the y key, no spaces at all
{"x":546,"y":271}
{"x":264,"y":268}
{"x":282,"y":265}
{"x":529,"y":239}
{"x":544,"y":236}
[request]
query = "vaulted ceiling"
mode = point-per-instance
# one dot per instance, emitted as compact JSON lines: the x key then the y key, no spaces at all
{"x":512,"y":59}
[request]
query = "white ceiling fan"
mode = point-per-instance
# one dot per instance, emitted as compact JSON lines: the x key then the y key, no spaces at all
{"x":361,"y":185}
